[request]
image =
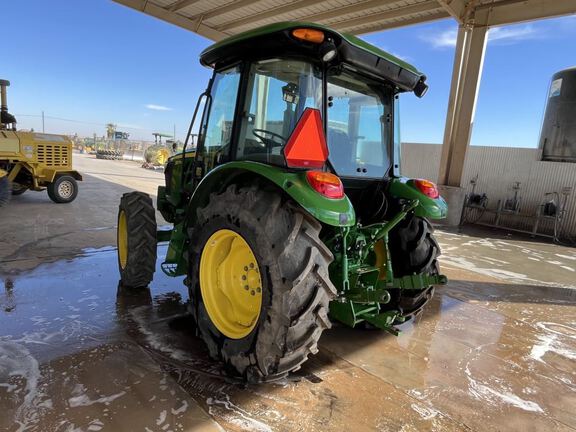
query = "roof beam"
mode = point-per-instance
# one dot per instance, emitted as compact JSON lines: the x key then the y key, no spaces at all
{"x":291,"y":7}
{"x":230,"y":7}
{"x":356,"y":7}
{"x":181,"y":21}
{"x":387,"y":15}
{"x":404,"y":23}
{"x":181,"y":4}
{"x":514,"y":11}
{"x":456,"y":8}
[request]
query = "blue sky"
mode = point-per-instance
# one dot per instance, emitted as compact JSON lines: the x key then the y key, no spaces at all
{"x":102,"y":62}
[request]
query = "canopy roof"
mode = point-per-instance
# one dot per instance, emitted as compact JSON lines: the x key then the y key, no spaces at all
{"x":218,"y":19}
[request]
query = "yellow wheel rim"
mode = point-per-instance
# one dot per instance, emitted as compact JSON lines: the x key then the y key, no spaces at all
{"x":122,"y":239}
{"x":230,"y":284}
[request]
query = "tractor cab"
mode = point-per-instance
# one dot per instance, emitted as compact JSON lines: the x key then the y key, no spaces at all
{"x":257,"y":98}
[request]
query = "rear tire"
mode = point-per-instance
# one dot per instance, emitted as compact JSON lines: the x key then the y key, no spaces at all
{"x":413,"y":250}
{"x":296,"y":289}
{"x":136,"y":240}
{"x":63,"y":189}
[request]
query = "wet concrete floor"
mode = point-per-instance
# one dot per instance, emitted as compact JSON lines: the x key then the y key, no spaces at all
{"x":494,"y":350}
{"x":34,"y":230}
{"x":79,"y":354}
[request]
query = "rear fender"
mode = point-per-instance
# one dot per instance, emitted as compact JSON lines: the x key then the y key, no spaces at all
{"x":431,"y":208}
{"x":334,"y":212}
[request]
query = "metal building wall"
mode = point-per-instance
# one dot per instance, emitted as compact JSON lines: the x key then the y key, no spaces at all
{"x":497,"y":169}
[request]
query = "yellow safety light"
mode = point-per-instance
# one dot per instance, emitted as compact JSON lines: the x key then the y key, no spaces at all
{"x":309,"y":35}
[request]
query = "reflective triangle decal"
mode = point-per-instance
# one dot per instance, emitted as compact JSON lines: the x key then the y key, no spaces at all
{"x":306,"y":147}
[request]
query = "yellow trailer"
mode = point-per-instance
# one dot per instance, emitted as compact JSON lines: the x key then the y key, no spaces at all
{"x":36,"y":161}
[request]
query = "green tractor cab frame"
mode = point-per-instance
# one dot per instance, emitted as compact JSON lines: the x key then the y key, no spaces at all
{"x":291,"y":207}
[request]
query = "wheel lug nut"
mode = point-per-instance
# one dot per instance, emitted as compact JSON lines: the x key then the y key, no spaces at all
{"x":246,"y":287}
{"x":245,"y":268}
{"x":251,"y":265}
{"x":253,"y":292}
{"x":244,"y":277}
{"x":258,"y":289}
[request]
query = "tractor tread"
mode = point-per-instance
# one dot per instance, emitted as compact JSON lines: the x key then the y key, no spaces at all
{"x":141,"y":226}
{"x":414,"y":250}
{"x":295,"y":261}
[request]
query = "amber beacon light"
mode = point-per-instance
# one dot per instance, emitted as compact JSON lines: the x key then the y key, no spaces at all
{"x":309,"y":35}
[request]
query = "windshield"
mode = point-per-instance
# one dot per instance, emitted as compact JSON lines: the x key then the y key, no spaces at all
{"x":278,"y":91}
{"x":357,"y":126}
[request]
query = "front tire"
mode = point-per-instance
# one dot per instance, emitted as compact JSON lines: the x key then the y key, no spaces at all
{"x":414,"y":250}
{"x":63,"y":189}
{"x":136,"y":240}
{"x":292,"y":263}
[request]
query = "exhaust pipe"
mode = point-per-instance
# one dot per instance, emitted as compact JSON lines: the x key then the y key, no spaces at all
{"x":3,"y":98}
{"x":5,"y":117}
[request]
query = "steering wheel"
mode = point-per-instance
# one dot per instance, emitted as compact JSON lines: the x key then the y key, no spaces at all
{"x":269,"y":142}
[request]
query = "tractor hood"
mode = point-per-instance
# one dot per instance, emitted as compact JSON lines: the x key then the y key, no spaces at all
{"x":277,"y":40}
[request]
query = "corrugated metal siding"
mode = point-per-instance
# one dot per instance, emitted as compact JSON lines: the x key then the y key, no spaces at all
{"x":498,"y":168}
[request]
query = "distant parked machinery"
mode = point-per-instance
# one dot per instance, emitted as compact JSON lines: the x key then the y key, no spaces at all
{"x":558,"y":136}
{"x":109,"y":154}
{"x":34,"y":161}
{"x":157,"y":154}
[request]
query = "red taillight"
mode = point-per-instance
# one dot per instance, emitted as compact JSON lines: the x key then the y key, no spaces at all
{"x":427,"y":188}
{"x":326,"y":184}
{"x":306,"y":147}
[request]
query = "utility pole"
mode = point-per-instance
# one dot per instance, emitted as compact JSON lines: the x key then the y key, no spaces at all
{"x":174,"y":132}
{"x":43,"y":122}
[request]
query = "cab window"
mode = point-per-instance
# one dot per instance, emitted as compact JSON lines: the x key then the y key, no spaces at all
{"x":278,"y":92}
{"x":218,"y":127}
{"x":357,"y":126}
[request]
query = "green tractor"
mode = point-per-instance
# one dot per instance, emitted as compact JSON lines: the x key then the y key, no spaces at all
{"x":291,"y":212}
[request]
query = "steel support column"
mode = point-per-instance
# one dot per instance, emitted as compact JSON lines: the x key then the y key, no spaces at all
{"x":468,"y":61}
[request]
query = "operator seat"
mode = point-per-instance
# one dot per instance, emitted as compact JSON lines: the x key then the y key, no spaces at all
{"x":341,"y":151}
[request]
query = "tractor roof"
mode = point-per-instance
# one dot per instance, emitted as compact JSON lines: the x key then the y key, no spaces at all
{"x":277,"y":40}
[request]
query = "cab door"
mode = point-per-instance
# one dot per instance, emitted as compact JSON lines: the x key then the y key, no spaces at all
{"x":217,"y":105}
{"x":217,"y":128}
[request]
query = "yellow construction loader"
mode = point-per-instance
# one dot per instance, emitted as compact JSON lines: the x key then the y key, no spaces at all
{"x":34,"y":161}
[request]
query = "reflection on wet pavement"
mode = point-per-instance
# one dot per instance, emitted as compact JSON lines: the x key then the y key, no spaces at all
{"x":517,"y":259}
{"x":77,"y":353}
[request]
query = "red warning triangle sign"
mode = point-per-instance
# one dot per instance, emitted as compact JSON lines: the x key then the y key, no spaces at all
{"x":306,"y":147}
